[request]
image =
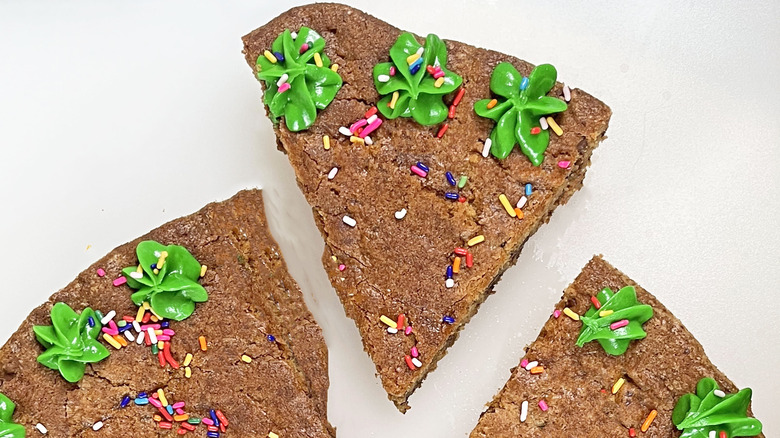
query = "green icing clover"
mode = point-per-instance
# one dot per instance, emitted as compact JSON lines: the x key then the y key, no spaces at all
{"x":418,"y":96}
{"x":9,"y":429}
{"x":70,"y":342}
{"x":524,"y":101}
{"x":171,"y":292}
{"x":624,"y":306}
{"x":311,"y":87}
{"x":697,"y":415}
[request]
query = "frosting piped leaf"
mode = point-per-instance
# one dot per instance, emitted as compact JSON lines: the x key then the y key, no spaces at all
{"x":620,"y":306}
{"x":9,"y":429}
{"x":700,"y":413}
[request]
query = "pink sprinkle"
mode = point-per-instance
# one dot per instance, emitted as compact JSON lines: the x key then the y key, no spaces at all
{"x":415,"y":353}
{"x":169,"y":332}
{"x":408,"y":330}
{"x":110,"y":331}
{"x":438,"y":74}
{"x":207,"y":421}
{"x":101,"y":272}
{"x":543,"y":405}
{"x":146,"y":327}
{"x":357,"y":125}
{"x":419,"y":172}
{"x":523,"y":363}
{"x":180,"y":411}
{"x":154,"y":402}
{"x":286,"y":86}
{"x":370,"y":128}
{"x":178,"y":405}
{"x":564,"y":164}
{"x":556,"y":313}
{"x":619,"y":324}
{"x":120,"y":281}
{"x":392,"y":71}
{"x":113,"y":325}
{"x":304,"y":47}
{"x":163,"y":338}
{"x":342,"y":267}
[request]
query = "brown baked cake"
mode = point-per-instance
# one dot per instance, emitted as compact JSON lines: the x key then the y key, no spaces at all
{"x":562,"y":389}
{"x":263,"y":368}
{"x":418,"y":221}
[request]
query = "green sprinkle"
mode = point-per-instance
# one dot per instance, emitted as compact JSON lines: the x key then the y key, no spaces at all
{"x":195,"y":421}
{"x":122,"y":323}
{"x":462,"y":181}
{"x":155,"y":349}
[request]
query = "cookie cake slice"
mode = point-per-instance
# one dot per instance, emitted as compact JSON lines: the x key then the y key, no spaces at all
{"x":405,"y":149}
{"x":194,"y":328}
{"x":612,"y":361}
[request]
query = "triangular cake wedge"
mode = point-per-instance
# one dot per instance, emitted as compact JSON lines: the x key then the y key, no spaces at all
{"x":390,"y":226}
{"x":589,"y":393}
{"x":265,"y":364}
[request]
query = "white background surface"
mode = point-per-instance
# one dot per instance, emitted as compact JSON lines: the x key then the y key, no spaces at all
{"x":116,"y":117}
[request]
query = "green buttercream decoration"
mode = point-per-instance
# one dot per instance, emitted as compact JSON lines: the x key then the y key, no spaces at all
{"x":171,"y":292}
{"x":311,"y":87}
{"x":520,"y":109}
{"x":9,"y":429}
{"x":624,"y":306}
{"x":699,"y":414}
{"x":418,"y":96}
{"x":71,"y":343}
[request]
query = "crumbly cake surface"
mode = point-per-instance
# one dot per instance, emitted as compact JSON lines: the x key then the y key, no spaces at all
{"x":251,"y":295}
{"x":577,"y":382}
{"x":394,"y":266}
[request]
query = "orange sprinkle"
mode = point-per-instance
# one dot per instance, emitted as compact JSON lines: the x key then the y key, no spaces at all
{"x":182,"y":417}
{"x":492,"y":103}
{"x":649,"y":420}
{"x":519,"y":213}
{"x":121,"y":340}
{"x":537,"y":370}
{"x":157,"y":417}
{"x":203,"y":346}
{"x":456,"y":265}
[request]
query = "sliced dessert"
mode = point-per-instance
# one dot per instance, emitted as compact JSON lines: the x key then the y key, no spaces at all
{"x":404,"y":148}
{"x":195,"y":327}
{"x":612,"y":361}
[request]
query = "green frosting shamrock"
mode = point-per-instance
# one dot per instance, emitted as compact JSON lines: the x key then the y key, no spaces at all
{"x":699,"y":414}
{"x":171,"y":292}
{"x":71,"y":342}
{"x":418,"y":96}
{"x":623,"y":305}
{"x":525,"y":101}
{"x":311,"y":87}
{"x":8,"y":429}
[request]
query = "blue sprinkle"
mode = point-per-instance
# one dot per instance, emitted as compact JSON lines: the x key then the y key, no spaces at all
{"x":153,"y":266}
{"x":279,"y":56}
{"x":165,"y":324}
{"x":169,"y":408}
{"x":449,"y":271}
{"x":448,"y":319}
{"x":142,"y":395}
{"x":528,"y":189}
{"x":125,"y":401}
{"x":422,"y":166}
{"x":271,"y":338}
{"x":451,"y":195}
{"x":91,"y":321}
{"x":141,"y":401}
{"x":524,"y":83}
{"x":415,"y":67}
{"x":212,"y":434}
{"x":125,"y":328}
{"x":450,"y":178}
{"x":214,"y":417}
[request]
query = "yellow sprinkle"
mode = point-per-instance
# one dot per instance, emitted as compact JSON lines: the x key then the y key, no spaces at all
{"x":272,"y":435}
{"x":187,"y":359}
{"x":394,"y":99}
{"x":507,"y":205}
{"x":111,"y":341}
{"x":88,"y":247}
{"x":270,"y":57}
{"x":604,"y":313}
{"x":617,"y":385}
{"x":140,"y":314}
{"x":649,"y":420}
{"x":161,"y":260}
{"x":456,"y":265}
{"x":161,"y":396}
{"x":357,"y":140}
{"x":203,"y":269}
{"x":388,"y":321}
{"x":154,"y":314}
{"x":246,"y":358}
{"x":146,"y":305}
{"x":492,"y":103}
{"x":557,"y":129}
{"x":154,"y":318}
{"x":156,"y":271}
{"x":139,"y":269}
{"x":475,"y":240}
{"x":334,"y":67}
{"x":187,"y":372}
{"x":317,"y":59}
{"x":334,"y":258}
{"x":182,"y":417}
{"x":326,"y":142}
{"x":439,"y":82}
{"x":158,"y":332}
{"x":411,"y":58}
{"x":160,"y":345}
{"x":568,"y":312}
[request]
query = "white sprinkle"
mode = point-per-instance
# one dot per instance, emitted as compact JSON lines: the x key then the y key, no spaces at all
{"x":531,"y":365}
{"x":137,"y":275}
{"x":400,"y":214}
{"x":719,"y":393}
{"x":368,"y":140}
{"x":294,"y":35}
{"x":383,"y":78}
{"x":521,"y":202}
{"x":152,"y":335}
{"x":420,"y":51}
{"x":345,"y":131}
{"x":449,"y":283}
{"x":282,"y":79}
{"x":129,"y":336}
{"x":566,"y":93}
{"x":109,"y":316}
{"x":371,"y":119}
{"x":137,"y":326}
{"x":349,"y":221}
{"x":392,"y":331}
{"x":41,"y":428}
{"x":140,"y":339}
{"x":523,"y":411}
{"x":333,"y":172}
{"x":712,"y":434}
{"x":97,"y":426}
{"x":486,"y":149}
{"x":543,"y":123}
{"x":417,"y":362}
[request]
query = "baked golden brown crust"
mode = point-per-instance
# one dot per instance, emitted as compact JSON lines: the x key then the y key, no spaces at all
{"x":577,"y":382}
{"x":397,"y":266}
{"x":251,"y":295}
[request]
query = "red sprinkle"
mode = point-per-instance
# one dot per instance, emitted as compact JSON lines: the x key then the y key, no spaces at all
{"x":400,"y":322}
{"x":304,"y":47}
{"x":409,"y":362}
{"x":451,"y":113}
{"x":632,"y":432}
{"x":161,"y":358}
{"x":129,"y":319}
{"x":461,"y":199}
{"x":165,"y":425}
{"x":469,"y":260}
{"x":723,"y":434}
{"x":443,"y":129}
{"x":371,"y":112}
{"x":460,"y":251}
{"x":535,"y":130}
{"x":165,"y":413}
{"x":595,"y":302}
{"x":168,"y":357}
{"x":430,"y":70}
{"x":459,"y":96}
{"x":181,"y":431}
